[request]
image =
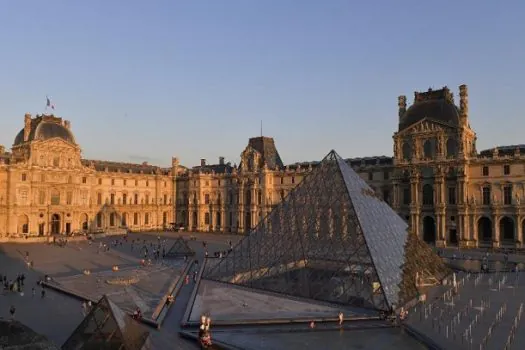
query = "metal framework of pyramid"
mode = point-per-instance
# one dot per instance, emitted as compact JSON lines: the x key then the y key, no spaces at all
{"x":333,"y":239}
{"x":179,"y":249}
{"x":107,"y":327}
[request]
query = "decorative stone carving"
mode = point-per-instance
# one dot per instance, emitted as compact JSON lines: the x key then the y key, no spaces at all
{"x":463,"y":102}
{"x":402,"y":105}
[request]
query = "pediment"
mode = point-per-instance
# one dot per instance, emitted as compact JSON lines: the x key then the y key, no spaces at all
{"x":426,"y":125}
{"x":56,"y":143}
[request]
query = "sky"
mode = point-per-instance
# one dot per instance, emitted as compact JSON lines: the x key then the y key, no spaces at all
{"x":150,"y":80}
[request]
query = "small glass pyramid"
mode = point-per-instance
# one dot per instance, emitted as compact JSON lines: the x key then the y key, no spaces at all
{"x":107,"y":327}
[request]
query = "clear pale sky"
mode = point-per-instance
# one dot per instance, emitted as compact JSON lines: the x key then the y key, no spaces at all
{"x":148,"y":80}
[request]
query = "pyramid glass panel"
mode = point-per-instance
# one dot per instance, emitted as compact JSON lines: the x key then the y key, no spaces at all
{"x":331,"y":239}
{"x":179,"y":249}
{"x":107,"y":327}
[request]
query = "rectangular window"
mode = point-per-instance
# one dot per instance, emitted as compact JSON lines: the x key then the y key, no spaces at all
{"x":24,"y":177}
{"x":486,"y":195}
{"x":112,"y":199}
{"x":165,"y":199}
{"x":452,"y":195}
{"x":147,"y":199}
{"x":124,"y":182}
{"x":100,"y":181}
{"x":206,"y":199}
{"x":386,"y":196}
{"x":69,"y":198}
{"x":146,"y":219}
{"x":112,"y":183}
{"x":370,"y":176}
{"x":136,"y":199}
{"x":135,"y":219}
{"x":485,"y":171}
{"x":282,"y":180}
{"x":124,"y":198}
{"x":507,"y":195}
{"x":506,"y":169}
{"x":293,"y":179}
{"x":386,"y":175}
{"x":406,"y":196}
{"x":55,"y":198}
{"x":84,"y":180}
{"x":99,"y":198}
{"x":206,"y":218}
{"x":42,"y":197}
{"x":136,"y":182}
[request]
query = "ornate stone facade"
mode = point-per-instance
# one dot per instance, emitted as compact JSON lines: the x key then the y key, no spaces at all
{"x":449,"y":193}
{"x":46,"y":188}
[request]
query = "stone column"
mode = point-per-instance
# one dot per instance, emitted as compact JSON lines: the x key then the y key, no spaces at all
{"x":495,"y":231}
{"x":519,"y":231}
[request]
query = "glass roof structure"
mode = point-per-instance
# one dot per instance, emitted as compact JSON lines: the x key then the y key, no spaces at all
{"x":333,"y":239}
{"x":107,"y":327}
{"x":179,"y":249}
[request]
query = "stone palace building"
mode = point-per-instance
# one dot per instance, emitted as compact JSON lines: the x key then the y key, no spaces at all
{"x":450,"y":193}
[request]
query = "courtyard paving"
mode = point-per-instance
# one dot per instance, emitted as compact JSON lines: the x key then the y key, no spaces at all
{"x":57,"y":315}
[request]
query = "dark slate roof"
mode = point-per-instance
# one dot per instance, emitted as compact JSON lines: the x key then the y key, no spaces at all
{"x":115,"y":167}
{"x":353,"y":162}
{"x":46,"y":127}
{"x":266,"y":147}
{"x":226,"y":168}
{"x":503,"y":151}
{"x":435,"y":105}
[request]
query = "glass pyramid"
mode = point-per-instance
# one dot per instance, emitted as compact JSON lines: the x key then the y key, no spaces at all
{"x":107,"y":327}
{"x":333,"y":239}
{"x":179,"y":249}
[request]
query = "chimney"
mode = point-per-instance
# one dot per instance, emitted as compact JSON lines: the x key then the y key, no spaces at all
{"x":221,"y":160}
{"x":27,"y":126}
{"x":203,"y":162}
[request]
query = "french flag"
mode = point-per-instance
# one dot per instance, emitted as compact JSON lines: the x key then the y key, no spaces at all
{"x":48,"y":104}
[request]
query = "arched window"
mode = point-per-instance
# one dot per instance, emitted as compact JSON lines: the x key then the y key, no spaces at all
{"x":407,"y":151}
{"x":428,"y":149}
{"x":112,"y":219}
{"x":428,"y":195}
{"x":146,"y":219}
{"x":135,"y":218}
{"x":452,"y":148}
{"x":99,"y":220}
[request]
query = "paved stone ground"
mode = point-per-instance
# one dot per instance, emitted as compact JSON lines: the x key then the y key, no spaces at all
{"x":56,"y":315}
{"x":153,"y":282}
{"x":477,"y":303}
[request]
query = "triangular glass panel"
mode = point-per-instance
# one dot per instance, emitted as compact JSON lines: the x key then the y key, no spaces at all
{"x":332,"y":239}
{"x":180,"y":248}
{"x":107,"y":327}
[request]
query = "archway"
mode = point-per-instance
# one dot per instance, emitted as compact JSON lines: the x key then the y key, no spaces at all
{"x":55,"y":224}
{"x":429,"y":229}
{"x":506,"y":229}
{"x":23,"y":224}
{"x":485,"y":229}
{"x":248,"y":221}
{"x":84,"y":222}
